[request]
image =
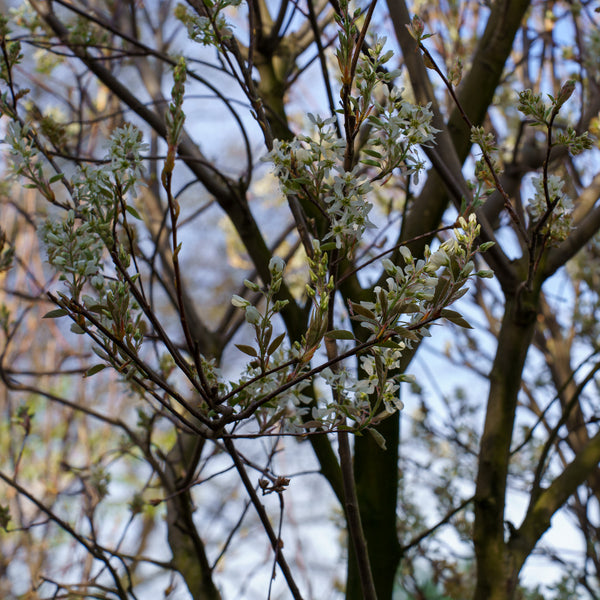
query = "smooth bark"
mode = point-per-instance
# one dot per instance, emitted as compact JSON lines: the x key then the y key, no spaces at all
{"x":516,"y":333}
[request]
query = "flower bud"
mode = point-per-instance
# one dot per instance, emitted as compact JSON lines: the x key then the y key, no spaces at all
{"x":239,"y":302}
{"x":276,"y":265}
{"x":252,"y":315}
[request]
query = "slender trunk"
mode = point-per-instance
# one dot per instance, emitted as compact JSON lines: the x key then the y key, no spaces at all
{"x":376,"y":473}
{"x":493,"y":571}
{"x":189,"y":555}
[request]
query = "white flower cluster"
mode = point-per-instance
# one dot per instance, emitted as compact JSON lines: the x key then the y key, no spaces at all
{"x":409,"y":288}
{"x":558,"y":223}
{"x":347,"y":208}
{"x":75,"y":244}
{"x":352,"y":395}
{"x":399,"y":128}
{"x":286,"y":409}
{"x":311,"y":167}
{"x":414,"y":293}
{"x":387,"y":387}
{"x":344,"y":402}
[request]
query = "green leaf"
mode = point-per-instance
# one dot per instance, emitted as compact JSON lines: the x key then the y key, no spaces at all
{"x":54,"y":314}
{"x":249,"y":350}
{"x":404,"y":309}
{"x":328,"y":246}
{"x":455,"y":317}
{"x":389,"y":344}
{"x":99,"y":352}
{"x":56,"y":177}
{"x":370,"y":162}
{"x":486,"y":246}
{"x":440,"y":289}
{"x":98,"y":309}
{"x":311,"y":424}
{"x":372,"y":153}
{"x":75,"y":328}
{"x":339,"y":334}
{"x":460,"y":292}
{"x":134,"y":213}
{"x":405,"y":333}
{"x":276,"y":343}
{"x":383,"y":301}
{"x":95,"y":369}
{"x":360,"y":310}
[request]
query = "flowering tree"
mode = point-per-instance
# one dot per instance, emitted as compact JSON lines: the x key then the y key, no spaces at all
{"x":172,"y":384}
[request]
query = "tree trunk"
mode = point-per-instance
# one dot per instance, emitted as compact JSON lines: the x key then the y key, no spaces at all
{"x":376,"y":473}
{"x":493,"y":571}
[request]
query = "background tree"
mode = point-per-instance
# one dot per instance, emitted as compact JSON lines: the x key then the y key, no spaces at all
{"x":118,"y":170}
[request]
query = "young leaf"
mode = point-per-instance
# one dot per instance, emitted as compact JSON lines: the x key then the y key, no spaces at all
{"x":339,"y":334}
{"x":276,"y":343}
{"x":56,"y":177}
{"x":359,"y":309}
{"x":95,"y":369}
{"x":249,"y":350}
{"x":455,"y":317}
{"x":54,"y":314}
{"x":390,"y":344}
{"x":134,"y":213}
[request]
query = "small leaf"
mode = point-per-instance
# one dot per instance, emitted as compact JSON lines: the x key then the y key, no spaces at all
{"x":455,"y":317}
{"x":75,"y":328}
{"x":99,"y":352}
{"x":383,"y":301}
{"x":359,"y":309}
{"x":339,"y":334}
{"x":372,"y":153}
{"x":460,"y":293}
{"x":56,"y":177}
{"x":311,"y":424}
{"x":276,"y":343}
{"x":54,"y":314}
{"x":486,"y":246}
{"x":370,"y":162}
{"x":440,"y":290}
{"x":249,"y":350}
{"x":98,"y":309}
{"x":405,"y":333}
{"x":389,"y":344}
{"x":93,"y":370}
{"x":328,"y":246}
{"x":404,"y":309}
{"x":134,"y":213}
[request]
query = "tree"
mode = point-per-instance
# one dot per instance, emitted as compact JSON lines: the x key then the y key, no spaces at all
{"x":166,"y":385}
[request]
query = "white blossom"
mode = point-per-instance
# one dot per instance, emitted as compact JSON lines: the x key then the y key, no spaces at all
{"x":559,"y":223}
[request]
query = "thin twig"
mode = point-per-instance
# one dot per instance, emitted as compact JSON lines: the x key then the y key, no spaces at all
{"x":264,"y":518}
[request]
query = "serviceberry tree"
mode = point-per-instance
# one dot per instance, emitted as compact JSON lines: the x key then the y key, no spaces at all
{"x":220,"y":306}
